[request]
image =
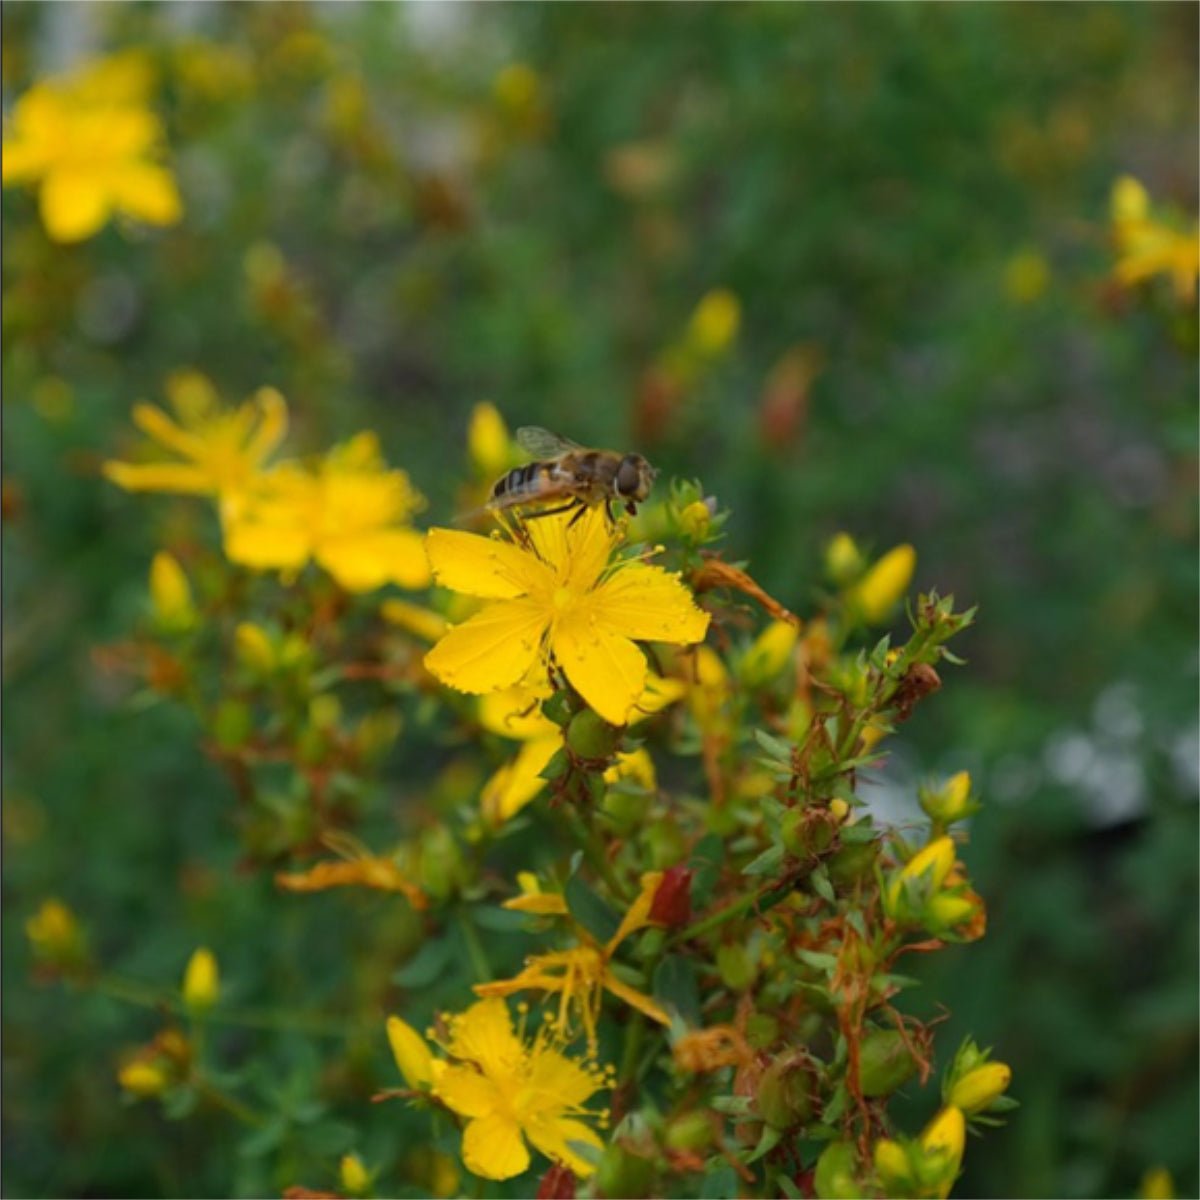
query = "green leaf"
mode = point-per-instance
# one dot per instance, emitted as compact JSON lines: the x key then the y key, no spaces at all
{"x":425,"y":966}
{"x":768,"y":862}
{"x":719,"y":1184}
{"x":821,"y":885}
{"x":779,"y":750}
{"x":675,"y":986}
{"x":766,"y":1143}
{"x":818,"y":959}
{"x":593,"y":913}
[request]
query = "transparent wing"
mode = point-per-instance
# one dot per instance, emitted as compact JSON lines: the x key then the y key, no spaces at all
{"x":541,"y":443}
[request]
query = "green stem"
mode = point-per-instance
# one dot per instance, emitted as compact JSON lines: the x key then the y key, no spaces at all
{"x":717,"y":919}
{"x":593,"y":851}
{"x":634,"y":1034}
{"x":231,"y":1104}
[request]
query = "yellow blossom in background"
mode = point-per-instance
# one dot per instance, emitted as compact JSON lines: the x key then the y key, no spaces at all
{"x":510,"y":1089}
{"x":142,"y":1079}
{"x":217,"y":451}
{"x":1147,"y":246}
{"x":714,"y":324}
{"x":582,"y":974}
{"x":1026,"y":276}
{"x":354,"y":1177}
{"x":423,"y":622}
{"x":884,"y":584}
{"x":1157,"y":1184}
{"x":489,"y":444}
{"x":564,"y":597}
{"x":769,"y":653}
{"x":54,"y":934}
{"x":92,"y":146}
{"x":633,"y":766}
{"x":843,"y":559}
{"x":533,"y":900}
{"x":349,"y":515}
{"x":170,"y":594}
{"x":201,"y":980}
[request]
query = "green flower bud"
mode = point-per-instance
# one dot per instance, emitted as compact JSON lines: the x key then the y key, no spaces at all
{"x":622,"y":1175}
{"x":784,"y":1095}
{"x":232,"y":724}
{"x":884,"y":1062}
{"x":835,"y":1174}
{"x":690,"y":1131}
{"x":591,"y":737}
{"x":735,"y":966}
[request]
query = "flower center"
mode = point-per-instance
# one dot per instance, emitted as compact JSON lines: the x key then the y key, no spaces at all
{"x":562,"y":598}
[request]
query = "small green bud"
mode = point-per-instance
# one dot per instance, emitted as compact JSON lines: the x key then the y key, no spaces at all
{"x":666,"y":845}
{"x":784,"y":1096}
{"x":884,"y":1062}
{"x":735,"y":966}
{"x":690,"y":1131}
{"x":590,"y":737}
{"x":232,"y":724}
{"x":625,"y":809}
{"x":557,"y":708}
{"x":622,"y":1175}
{"x":835,"y":1174}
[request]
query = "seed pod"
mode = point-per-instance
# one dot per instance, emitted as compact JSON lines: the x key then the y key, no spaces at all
{"x":590,"y":737}
{"x":784,"y":1096}
{"x":884,"y":1062}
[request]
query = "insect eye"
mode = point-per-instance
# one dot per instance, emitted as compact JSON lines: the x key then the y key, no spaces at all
{"x":628,"y":476}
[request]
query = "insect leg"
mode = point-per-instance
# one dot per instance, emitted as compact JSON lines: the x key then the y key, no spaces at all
{"x":549,"y":512}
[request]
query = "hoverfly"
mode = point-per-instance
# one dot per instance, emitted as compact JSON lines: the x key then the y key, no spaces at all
{"x":562,"y":470}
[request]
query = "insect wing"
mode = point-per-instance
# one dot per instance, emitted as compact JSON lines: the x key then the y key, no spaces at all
{"x":541,"y":443}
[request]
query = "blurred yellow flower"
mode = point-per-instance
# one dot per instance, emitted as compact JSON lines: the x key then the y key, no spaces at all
{"x":219,"y":450}
{"x":170,"y":594}
{"x":942,"y":1141}
{"x":54,"y":933}
{"x":489,"y":445}
{"x":582,"y":974}
{"x":1147,"y":246}
{"x":201,"y":980}
{"x":354,"y":1177}
{"x":94,"y":148}
{"x":769,"y":653}
{"x":511,"y":1090}
{"x":976,"y":1090}
{"x":561,"y":596}
{"x":1026,"y":276}
{"x":412,"y":1054}
{"x":875,"y":594}
{"x":424,"y":622}
{"x":714,"y":324}
{"x":1157,"y":1184}
{"x":349,"y":515}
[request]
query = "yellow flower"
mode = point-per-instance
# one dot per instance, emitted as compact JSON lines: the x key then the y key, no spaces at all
{"x":94,"y":148}
{"x":533,"y":900}
{"x":220,"y":450}
{"x":1147,"y":246}
{"x":564,"y":597}
{"x":170,"y":593}
{"x":514,"y":1090}
{"x":928,"y":867}
{"x":1157,"y":1184}
{"x":201,"y":980}
{"x":582,"y":974}
{"x":349,"y":515}
{"x":769,"y":653}
{"x":424,"y":622}
{"x":884,"y":584}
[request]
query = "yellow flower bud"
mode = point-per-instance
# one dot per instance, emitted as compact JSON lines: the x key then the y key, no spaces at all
{"x":1026,"y":276}
{"x":1130,"y":201}
{"x":843,"y":561}
{"x":714,"y":324}
{"x":1157,"y":1184}
{"x":353,"y":1175}
{"x":695,"y":519}
{"x":141,"y":1078}
{"x":191,"y":393}
{"x":201,"y":980}
{"x":516,"y":88}
{"x":253,"y":647}
{"x":444,"y":1176}
{"x":769,"y":653}
{"x":976,"y":1090}
{"x":951,"y":802}
{"x":487,"y":437}
{"x":170,"y":594}
{"x":411,"y":1052}
{"x":891,"y":1165}
{"x":946,"y":910}
{"x":54,"y":933}
{"x":839,"y":810}
{"x":931,"y":864}
{"x":884,"y":584}
{"x":942,"y":1141}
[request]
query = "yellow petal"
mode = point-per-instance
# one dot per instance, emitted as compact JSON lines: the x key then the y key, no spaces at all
{"x":176,"y":478}
{"x":638,"y":913}
{"x":552,"y":1073}
{"x":480,"y":566}
{"x":492,"y":1147}
{"x":517,"y":783}
{"x":635,"y":999}
{"x":156,"y":424}
{"x":74,"y":204}
{"x":554,"y":1137}
{"x":362,"y":562}
{"x":659,"y":693}
{"x":606,"y":669}
{"x":461,"y":1087}
{"x":272,"y":425}
{"x":424,"y":622}
{"x":516,"y":712}
{"x":491,"y":650}
{"x":484,"y":1035}
{"x":266,"y":546}
{"x":23,"y":159}
{"x":412,"y":1053}
{"x":148,"y":192}
{"x":649,"y":604}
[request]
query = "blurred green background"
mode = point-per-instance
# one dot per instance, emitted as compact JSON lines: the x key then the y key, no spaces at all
{"x":394,"y":212}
